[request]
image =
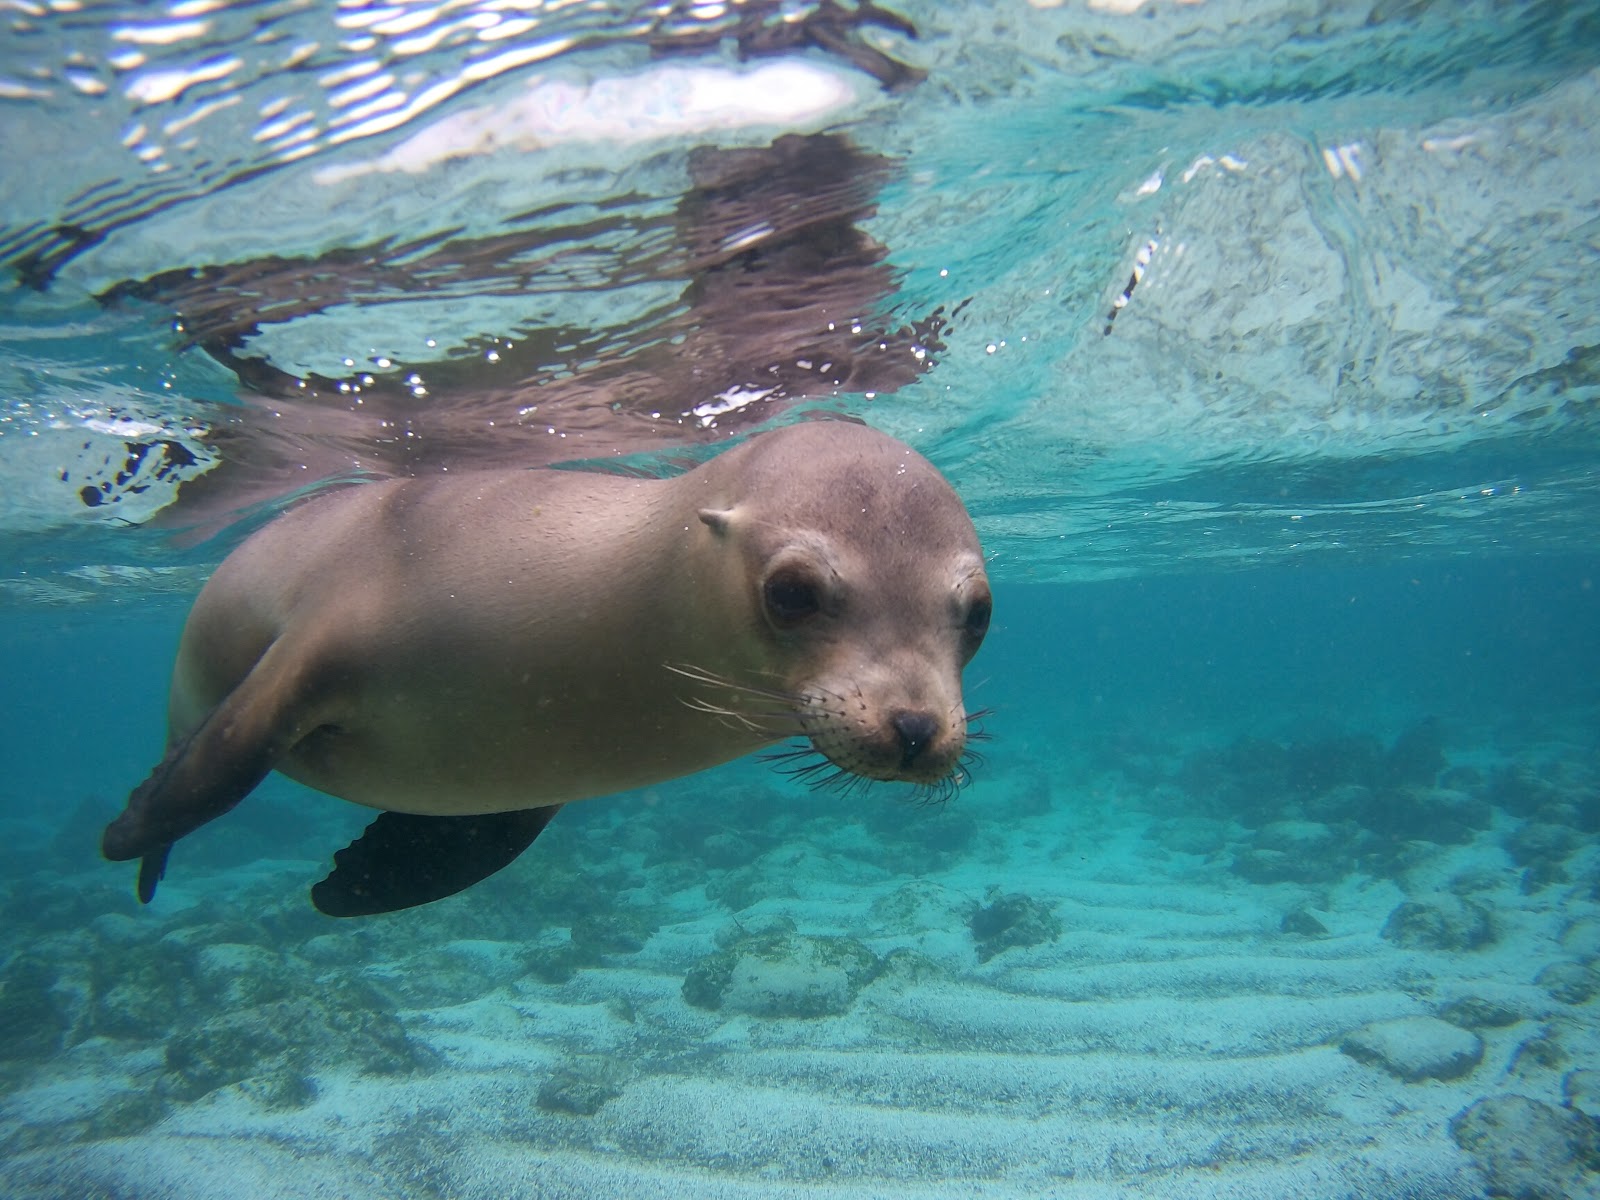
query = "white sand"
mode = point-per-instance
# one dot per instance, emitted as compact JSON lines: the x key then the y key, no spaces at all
{"x":1171,"y":1043}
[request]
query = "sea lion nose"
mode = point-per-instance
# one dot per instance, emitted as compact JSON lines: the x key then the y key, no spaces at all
{"x":915,"y":730}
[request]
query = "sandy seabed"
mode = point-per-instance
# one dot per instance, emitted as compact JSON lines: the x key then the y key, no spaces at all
{"x":1153,"y":1015}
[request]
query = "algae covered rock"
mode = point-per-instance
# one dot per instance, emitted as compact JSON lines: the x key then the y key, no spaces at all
{"x":1569,"y":982}
{"x":1012,"y":920}
{"x":597,"y":934}
{"x":227,"y":1049}
{"x":232,"y":975}
{"x":1416,"y":1048}
{"x":1296,"y":851}
{"x":1445,"y":923}
{"x":920,"y":906}
{"x":1303,"y":923}
{"x":740,"y":888}
{"x":1581,"y":938}
{"x":1538,"y":1055}
{"x":788,"y":975}
{"x":904,"y":968}
{"x":31,"y":1015}
{"x":1581,"y":1090}
{"x":769,"y":927}
{"x":580,"y":1087}
{"x":269,"y":1047}
{"x":1529,"y":1150}
{"x":1474,"y":1012}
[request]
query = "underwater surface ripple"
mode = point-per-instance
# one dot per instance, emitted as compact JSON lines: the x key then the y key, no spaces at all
{"x":1260,"y":341}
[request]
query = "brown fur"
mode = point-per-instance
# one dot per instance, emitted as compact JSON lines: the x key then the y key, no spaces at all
{"x":509,"y":640}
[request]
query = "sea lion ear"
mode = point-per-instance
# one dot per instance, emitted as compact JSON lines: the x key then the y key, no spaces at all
{"x":717,"y":519}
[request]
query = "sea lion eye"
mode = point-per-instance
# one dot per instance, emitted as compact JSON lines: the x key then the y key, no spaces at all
{"x":978,"y":614}
{"x":791,"y":598}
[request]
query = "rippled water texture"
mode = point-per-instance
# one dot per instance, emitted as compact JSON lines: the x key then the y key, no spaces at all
{"x":1203,"y":281}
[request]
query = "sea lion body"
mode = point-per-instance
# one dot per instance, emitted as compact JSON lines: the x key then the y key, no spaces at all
{"x":507,"y":642}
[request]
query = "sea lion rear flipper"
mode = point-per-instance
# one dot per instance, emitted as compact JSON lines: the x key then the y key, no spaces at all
{"x":403,"y":859}
{"x":214,"y":766}
{"x":152,"y":870}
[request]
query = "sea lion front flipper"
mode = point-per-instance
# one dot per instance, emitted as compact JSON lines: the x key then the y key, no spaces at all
{"x":403,"y":859}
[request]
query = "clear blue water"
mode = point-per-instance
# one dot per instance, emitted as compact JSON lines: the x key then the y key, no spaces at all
{"x":1258,"y":339}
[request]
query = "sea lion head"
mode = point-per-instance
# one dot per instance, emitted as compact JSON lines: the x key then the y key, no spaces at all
{"x":866,"y":592}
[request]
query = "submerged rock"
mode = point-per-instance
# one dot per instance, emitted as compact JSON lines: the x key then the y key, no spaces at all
{"x":920,"y":906}
{"x":1417,"y":756}
{"x":1203,"y":836}
{"x":740,"y":888}
{"x":1012,"y":920}
{"x":1529,"y":1150}
{"x":269,"y":1046}
{"x":791,"y":975}
{"x":1316,"y":766}
{"x":1581,"y":938}
{"x":32,"y":1017}
{"x":1581,"y":1090}
{"x":1446,"y":923}
{"x":231,"y":975}
{"x":597,"y":934}
{"x":904,"y":968}
{"x":1298,"y":852}
{"x":1300,"y":921}
{"x":1520,"y":791}
{"x":126,"y":1114}
{"x":1416,"y":1048}
{"x":769,"y":927}
{"x":1538,"y":1055}
{"x":285,"y":1086}
{"x":1569,"y":982}
{"x":1473,"y":1012}
{"x":581,"y":1087}
{"x":1542,"y":849}
{"x":1540,"y":841}
{"x":1442,"y":816}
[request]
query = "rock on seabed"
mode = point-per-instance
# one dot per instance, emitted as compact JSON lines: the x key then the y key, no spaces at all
{"x":1416,"y":1048}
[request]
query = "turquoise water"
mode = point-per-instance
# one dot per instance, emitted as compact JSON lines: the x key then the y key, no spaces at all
{"x":1259,"y":340}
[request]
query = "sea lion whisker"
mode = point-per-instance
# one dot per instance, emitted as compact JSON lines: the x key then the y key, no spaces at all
{"x":809,"y":772}
{"x":841,"y":782}
{"x":789,"y":753}
{"x":710,"y":679}
{"x":941,"y":791}
{"x":809,"y":766}
{"x":758,"y":720}
{"x":793,"y":762}
{"x":726,"y":717}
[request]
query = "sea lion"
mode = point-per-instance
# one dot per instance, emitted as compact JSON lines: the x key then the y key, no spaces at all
{"x":470,"y":652}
